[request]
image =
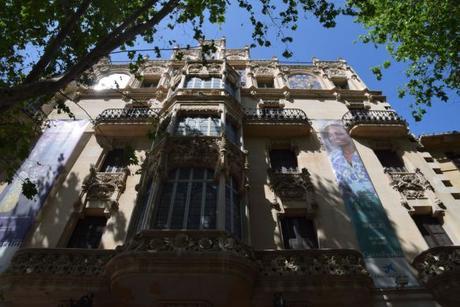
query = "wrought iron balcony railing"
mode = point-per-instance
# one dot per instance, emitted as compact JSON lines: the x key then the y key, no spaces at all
{"x":355,"y":117}
{"x":116,"y":115}
{"x":276,"y":115}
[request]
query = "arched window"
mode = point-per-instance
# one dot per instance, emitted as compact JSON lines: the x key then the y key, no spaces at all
{"x":112,"y":81}
{"x":232,"y":208}
{"x":188,"y":200}
{"x":303,"y":81}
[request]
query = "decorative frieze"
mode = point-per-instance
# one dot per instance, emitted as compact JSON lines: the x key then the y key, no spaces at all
{"x":204,"y":69}
{"x":198,"y":151}
{"x":187,"y":242}
{"x":46,"y":262}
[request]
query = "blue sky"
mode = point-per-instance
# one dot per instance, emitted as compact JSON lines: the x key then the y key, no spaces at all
{"x":312,"y":40}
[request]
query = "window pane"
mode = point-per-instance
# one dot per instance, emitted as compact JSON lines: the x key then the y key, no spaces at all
{"x":88,"y":232}
{"x":283,"y":160}
{"x":209,"y":218}
{"x":214,"y":126}
{"x":303,"y":81}
{"x":163,"y":206}
{"x":180,"y":199}
{"x":114,"y":161}
{"x":298,"y":233}
{"x":232,"y":132}
{"x":194,"y":212}
{"x":390,"y":159}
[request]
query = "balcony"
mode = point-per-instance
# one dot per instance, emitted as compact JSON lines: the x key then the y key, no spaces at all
{"x":276,"y":122}
{"x":68,"y":273}
{"x":208,"y":267}
{"x":305,"y":276}
{"x":374,"y":124}
{"x":439,"y":271}
{"x":126,"y":121}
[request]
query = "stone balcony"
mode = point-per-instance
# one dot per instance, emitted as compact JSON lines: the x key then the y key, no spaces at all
{"x":374,"y":124}
{"x":276,"y":122}
{"x":206,"y":267}
{"x":135,"y":121}
{"x":439,"y":271}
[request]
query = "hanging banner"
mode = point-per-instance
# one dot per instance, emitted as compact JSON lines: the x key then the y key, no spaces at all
{"x":42,"y":167}
{"x":376,"y":237}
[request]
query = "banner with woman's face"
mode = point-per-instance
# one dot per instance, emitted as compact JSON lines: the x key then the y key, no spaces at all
{"x":376,"y":237}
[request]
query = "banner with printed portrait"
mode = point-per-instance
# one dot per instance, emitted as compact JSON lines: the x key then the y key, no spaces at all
{"x":46,"y":161}
{"x":376,"y":237}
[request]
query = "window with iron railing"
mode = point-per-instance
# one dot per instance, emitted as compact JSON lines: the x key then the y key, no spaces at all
{"x":115,"y":161}
{"x":283,"y":160}
{"x":88,"y":232}
{"x":298,"y":232}
{"x":390,"y":160}
{"x":432,"y":230}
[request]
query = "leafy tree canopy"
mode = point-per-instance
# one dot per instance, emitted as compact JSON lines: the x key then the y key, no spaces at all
{"x":423,"y":33}
{"x":46,"y":44}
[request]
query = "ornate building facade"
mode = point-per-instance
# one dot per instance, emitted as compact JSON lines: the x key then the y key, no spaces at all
{"x":219,"y":180}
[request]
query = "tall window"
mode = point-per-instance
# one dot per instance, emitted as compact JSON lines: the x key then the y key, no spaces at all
{"x":88,"y":232}
{"x":242,"y":74}
{"x":431,"y":230}
{"x":231,"y":131}
{"x":115,"y":161}
{"x":265,"y":82}
{"x":232,"y":208}
{"x":198,"y":125}
{"x":303,"y":81}
{"x":390,"y":160}
{"x":283,"y":160}
{"x":200,"y":82}
{"x":298,"y":233}
{"x":188,"y":200}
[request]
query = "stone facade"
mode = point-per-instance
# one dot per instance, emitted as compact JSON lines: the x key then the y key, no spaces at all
{"x":233,"y":201}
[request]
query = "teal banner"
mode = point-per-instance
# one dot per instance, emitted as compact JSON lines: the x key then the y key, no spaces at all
{"x":376,"y":237}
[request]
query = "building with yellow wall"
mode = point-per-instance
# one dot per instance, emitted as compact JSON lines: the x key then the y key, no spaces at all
{"x":257,"y":183}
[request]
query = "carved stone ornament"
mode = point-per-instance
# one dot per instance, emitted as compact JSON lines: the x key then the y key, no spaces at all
{"x":104,"y":187}
{"x":102,"y":66}
{"x":260,"y":70}
{"x":410,"y":185}
{"x":333,"y":70}
{"x":293,"y":186}
{"x":201,"y":69}
{"x":236,"y":54}
{"x":182,"y":242}
{"x":299,"y":263}
{"x":200,"y":151}
{"x":153,"y":70}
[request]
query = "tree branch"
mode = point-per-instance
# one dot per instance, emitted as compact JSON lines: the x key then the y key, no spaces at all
{"x":15,"y":94}
{"x":53,"y":45}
